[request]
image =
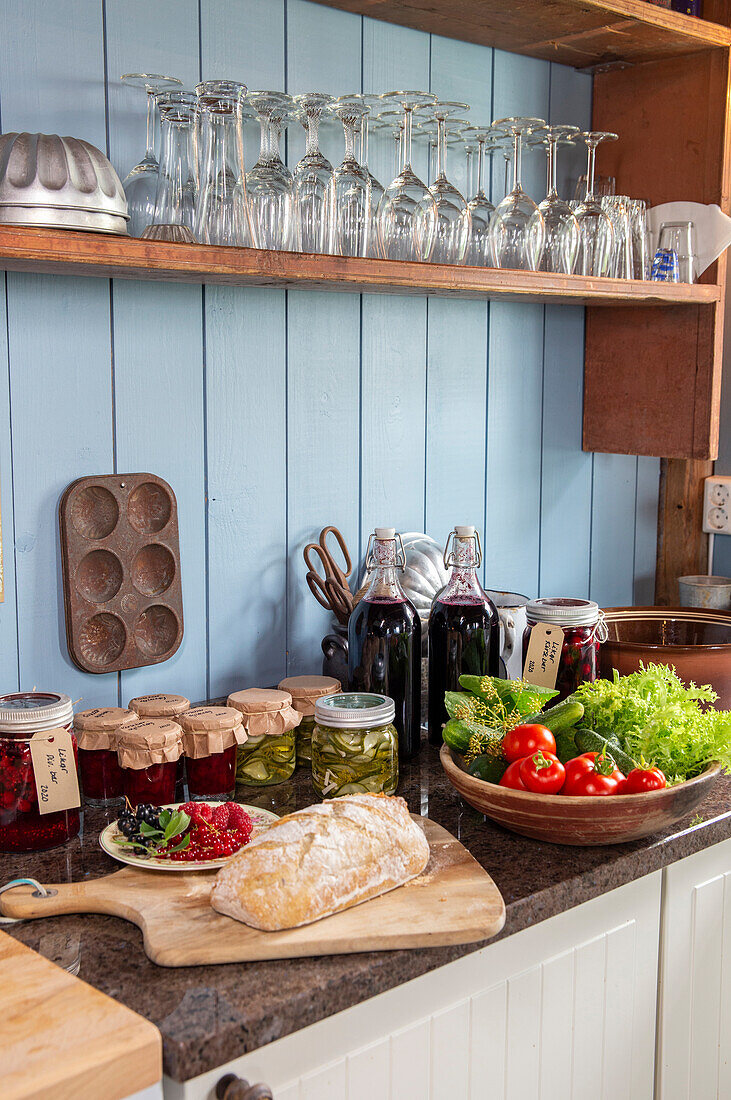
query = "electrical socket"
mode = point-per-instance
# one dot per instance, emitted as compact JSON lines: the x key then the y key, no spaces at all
{"x":717,"y":506}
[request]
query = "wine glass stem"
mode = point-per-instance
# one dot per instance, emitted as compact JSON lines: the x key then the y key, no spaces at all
{"x":480,"y":155}
{"x":407,"y":136}
{"x":313,"y":132}
{"x":349,"y":131}
{"x":441,"y":147}
{"x":517,"y":156}
{"x":552,"y":158}
{"x":590,"y":172}
{"x":151,"y":112}
{"x":364,"y":142}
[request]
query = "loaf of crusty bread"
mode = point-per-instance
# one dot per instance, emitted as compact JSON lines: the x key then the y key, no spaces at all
{"x":320,"y":860}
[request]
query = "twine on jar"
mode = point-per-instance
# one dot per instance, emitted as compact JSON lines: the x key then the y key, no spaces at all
{"x":600,"y":632}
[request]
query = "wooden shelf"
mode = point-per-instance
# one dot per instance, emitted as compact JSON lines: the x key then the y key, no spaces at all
{"x":62,"y":252}
{"x":582,"y":33}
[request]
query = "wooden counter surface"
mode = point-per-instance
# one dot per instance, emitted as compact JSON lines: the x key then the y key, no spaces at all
{"x":62,"y":1038}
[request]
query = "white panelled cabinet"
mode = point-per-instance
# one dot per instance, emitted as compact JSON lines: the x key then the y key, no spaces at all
{"x":564,"y":1010}
{"x":694,"y":1049}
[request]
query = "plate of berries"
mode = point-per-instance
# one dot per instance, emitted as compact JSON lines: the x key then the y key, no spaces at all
{"x":183,"y":836}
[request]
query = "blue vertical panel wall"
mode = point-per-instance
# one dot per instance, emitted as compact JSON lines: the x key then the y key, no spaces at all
{"x":270,"y":412}
{"x":159,"y":411}
{"x":52,"y":79}
{"x":323,"y":353}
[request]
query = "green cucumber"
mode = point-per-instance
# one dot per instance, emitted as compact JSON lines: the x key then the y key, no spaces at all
{"x":457,"y":733}
{"x":566,"y":745}
{"x":563,"y":716}
{"x":488,"y":768}
{"x":589,"y":741}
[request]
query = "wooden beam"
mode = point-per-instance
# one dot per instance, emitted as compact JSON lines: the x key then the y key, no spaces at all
{"x":682,"y":547}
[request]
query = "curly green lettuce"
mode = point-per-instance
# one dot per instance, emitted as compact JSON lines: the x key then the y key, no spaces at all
{"x":657,"y":717}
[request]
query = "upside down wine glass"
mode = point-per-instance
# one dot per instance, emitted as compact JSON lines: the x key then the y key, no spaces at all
{"x":350,"y":220}
{"x":269,"y":184}
{"x":177,"y":184}
{"x":453,"y":218}
{"x":516,"y":229}
{"x":595,"y":225}
{"x":221,"y":215}
{"x":481,"y":209}
{"x":562,"y":230}
{"x":140,"y":186}
{"x":407,"y":216}
{"x":312,"y":177}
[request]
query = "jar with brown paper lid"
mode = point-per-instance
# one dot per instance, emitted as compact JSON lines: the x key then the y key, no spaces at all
{"x":305,"y":691}
{"x":159,"y":706}
{"x":148,"y":751}
{"x":211,"y":736}
{"x":268,"y":756}
{"x":97,"y":733}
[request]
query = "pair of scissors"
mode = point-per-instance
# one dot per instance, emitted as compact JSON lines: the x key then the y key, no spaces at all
{"x":327,"y":580}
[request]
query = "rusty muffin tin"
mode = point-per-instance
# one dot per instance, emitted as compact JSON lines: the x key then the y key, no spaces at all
{"x":120,"y":553}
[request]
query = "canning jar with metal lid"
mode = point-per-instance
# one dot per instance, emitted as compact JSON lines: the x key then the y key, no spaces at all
{"x":305,"y":691}
{"x":268,"y":755}
{"x":97,"y":732}
{"x":584,"y":629}
{"x":25,"y":715}
{"x":354,"y":745}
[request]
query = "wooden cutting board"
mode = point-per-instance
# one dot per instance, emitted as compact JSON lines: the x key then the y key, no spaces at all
{"x":453,"y":901}
{"x":44,"y":1010}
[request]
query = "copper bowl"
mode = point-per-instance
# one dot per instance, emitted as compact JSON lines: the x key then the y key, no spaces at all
{"x":566,"y":819}
{"x":695,"y":640}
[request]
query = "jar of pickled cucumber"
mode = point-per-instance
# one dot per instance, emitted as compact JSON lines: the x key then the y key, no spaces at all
{"x":305,"y":691}
{"x":354,"y":745}
{"x":268,"y":755}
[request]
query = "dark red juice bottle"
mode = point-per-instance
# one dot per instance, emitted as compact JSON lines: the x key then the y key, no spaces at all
{"x":464,"y":628}
{"x":384,"y":640}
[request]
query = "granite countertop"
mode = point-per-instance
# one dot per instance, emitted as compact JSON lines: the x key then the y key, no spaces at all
{"x":209,"y":1015}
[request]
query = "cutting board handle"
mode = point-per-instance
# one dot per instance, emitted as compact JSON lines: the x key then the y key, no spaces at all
{"x":24,"y":902}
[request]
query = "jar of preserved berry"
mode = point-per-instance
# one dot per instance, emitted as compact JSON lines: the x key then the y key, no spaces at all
{"x":211,"y":736}
{"x":354,"y":745}
{"x":268,"y":755}
{"x":26,"y":716}
{"x":305,"y":691}
{"x":97,"y":733}
{"x":173,"y":707}
{"x":148,"y":751}
{"x":584,"y":629}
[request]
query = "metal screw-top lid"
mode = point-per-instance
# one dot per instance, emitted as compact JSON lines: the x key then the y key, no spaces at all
{"x":355,"y":710}
{"x":25,"y":712}
{"x":562,"y":611}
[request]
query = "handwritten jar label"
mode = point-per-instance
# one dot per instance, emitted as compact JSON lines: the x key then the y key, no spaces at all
{"x":543,"y":656}
{"x":54,"y":768}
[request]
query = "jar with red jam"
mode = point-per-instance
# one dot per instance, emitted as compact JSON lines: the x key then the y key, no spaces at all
{"x":584,"y":629}
{"x":97,"y":732}
{"x":148,"y":751}
{"x":211,"y":736}
{"x":161,"y":705}
{"x":25,"y":716}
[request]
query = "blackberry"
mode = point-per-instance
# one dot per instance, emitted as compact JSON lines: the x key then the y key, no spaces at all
{"x":128,"y":823}
{"x":149,"y":814}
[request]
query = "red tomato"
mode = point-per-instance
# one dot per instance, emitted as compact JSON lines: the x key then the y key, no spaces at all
{"x":616,"y":773}
{"x":525,"y":740}
{"x":591,"y":774}
{"x":640,"y":780}
{"x":542,"y":773}
{"x":511,"y":777}
{"x":590,"y":783}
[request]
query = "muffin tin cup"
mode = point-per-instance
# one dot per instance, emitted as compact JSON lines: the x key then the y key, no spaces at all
{"x":121,"y":571}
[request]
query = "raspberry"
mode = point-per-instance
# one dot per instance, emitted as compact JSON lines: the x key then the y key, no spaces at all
{"x":198,"y":812}
{"x":220,"y":817}
{"x":238,"y":817}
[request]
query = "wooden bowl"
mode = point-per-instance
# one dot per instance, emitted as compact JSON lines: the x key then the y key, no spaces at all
{"x":566,"y":819}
